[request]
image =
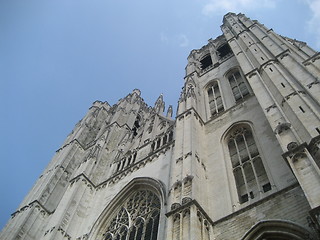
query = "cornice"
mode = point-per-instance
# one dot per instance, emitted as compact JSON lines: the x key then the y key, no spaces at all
{"x":35,"y":204}
{"x":71,"y":142}
{"x":187,"y":204}
{"x":187,"y":112}
{"x":122,"y":173}
{"x":312,"y":59}
{"x":232,"y":215}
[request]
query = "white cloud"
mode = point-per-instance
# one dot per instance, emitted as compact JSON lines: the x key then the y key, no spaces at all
{"x":222,"y":6}
{"x":183,"y":40}
{"x":314,"y":22}
{"x":164,"y":37}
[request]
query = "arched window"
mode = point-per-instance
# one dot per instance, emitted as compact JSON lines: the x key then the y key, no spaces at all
{"x":277,"y":230}
{"x":136,"y":125}
{"x":224,"y":51}
{"x":137,"y":219}
{"x":215,"y":99}
{"x":249,"y":173}
{"x":238,"y":85}
{"x":206,"y":62}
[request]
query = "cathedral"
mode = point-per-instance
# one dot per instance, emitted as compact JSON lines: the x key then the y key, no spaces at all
{"x":239,"y":161}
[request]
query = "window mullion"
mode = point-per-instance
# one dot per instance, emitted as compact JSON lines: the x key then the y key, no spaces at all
{"x":247,"y":148}
{"x":238,"y":85}
{"x":241,"y":167}
{"x":252,"y":165}
{"x":215,"y":99}
{"x":238,"y":153}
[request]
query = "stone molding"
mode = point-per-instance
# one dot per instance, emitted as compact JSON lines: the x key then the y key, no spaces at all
{"x":278,"y":227}
{"x":312,"y":59}
{"x":37,"y":205}
{"x":253,"y":205}
{"x":186,"y":204}
{"x":188,"y":112}
{"x":117,"y":177}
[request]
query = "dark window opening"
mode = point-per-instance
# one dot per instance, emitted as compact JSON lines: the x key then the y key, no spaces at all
{"x":164,"y":139}
{"x":224,"y":50}
{"x":170,"y":136}
{"x":302,"y":110}
{"x":244,"y":198}
{"x":283,"y":85}
{"x":136,"y":126}
{"x":206,"y":62}
{"x":129,"y":160}
{"x":251,"y":195}
{"x":135,"y":133}
{"x":152,"y":146}
{"x":266,"y":187}
{"x":159,"y":143}
{"x":134,"y":157}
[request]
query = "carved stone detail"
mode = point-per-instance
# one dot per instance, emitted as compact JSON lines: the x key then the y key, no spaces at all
{"x":291,"y":146}
{"x":175,"y":206}
{"x":282,"y":127}
{"x":186,"y":200}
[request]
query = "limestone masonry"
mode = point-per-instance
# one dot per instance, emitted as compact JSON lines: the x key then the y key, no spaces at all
{"x":240,"y":161}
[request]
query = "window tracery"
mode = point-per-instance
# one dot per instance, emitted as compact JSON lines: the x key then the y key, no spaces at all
{"x":206,"y":62}
{"x":238,"y":85}
{"x":215,"y":99}
{"x":137,"y":219}
{"x":248,"y":169}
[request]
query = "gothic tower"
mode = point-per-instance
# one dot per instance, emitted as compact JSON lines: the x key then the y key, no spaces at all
{"x":239,"y":161}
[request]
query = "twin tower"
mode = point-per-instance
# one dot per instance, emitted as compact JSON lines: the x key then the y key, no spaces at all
{"x":240,"y":161}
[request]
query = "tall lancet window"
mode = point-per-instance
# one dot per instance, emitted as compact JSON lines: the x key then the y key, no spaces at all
{"x":238,"y":85}
{"x":215,"y":99}
{"x":249,"y":173}
{"x":137,"y":219}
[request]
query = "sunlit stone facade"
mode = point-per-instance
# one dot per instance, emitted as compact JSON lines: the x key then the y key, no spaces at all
{"x":240,"y":160}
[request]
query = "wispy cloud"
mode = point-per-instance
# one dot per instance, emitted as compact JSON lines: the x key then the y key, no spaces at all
{"x":183,"y":40}
{"x":178,"y":39}
{"x":164,"y":37}
{"x":222,"y":6}
{"x":314,"y":22}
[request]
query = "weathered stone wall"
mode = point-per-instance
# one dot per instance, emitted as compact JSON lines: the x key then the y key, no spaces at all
{"x":289,"y":204}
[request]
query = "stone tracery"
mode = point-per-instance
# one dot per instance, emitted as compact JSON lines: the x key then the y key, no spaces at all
{"x":138,"y":218}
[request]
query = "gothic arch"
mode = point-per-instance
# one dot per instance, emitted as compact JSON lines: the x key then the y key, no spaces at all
{"x":204,"y":54}
{"x":277,"y":230}
{"x":214,"y":99}
{"x":231,"y":70}
{"x":238,"y":83}
{"x":245,"y":159}
{"x":211,"y":82}
{"x":224,"y":137}
{"x":153,"y":187}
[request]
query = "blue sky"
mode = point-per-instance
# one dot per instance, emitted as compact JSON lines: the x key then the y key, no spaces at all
{"x":59,"y":56}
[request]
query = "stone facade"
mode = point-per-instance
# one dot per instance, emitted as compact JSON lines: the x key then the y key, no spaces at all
{"x":239,"y":161}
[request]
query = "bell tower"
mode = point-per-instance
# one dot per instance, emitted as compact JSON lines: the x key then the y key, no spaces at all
{"x":283,"y":73}
{"x":239,"y":161}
